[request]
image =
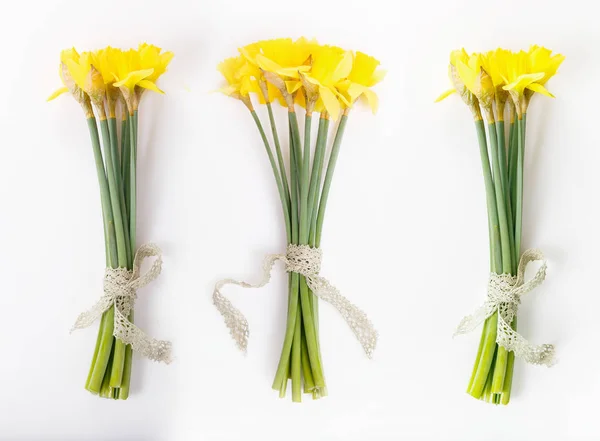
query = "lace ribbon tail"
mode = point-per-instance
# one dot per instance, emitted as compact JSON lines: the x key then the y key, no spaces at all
{"x":470,"y":322}
{"x":511,"y":340}
{"x":87,"y":318}
{"x":356,"y":318}
{"x":129,"y":334}
{"x":234,"y":319}
{"x":139,"y":280}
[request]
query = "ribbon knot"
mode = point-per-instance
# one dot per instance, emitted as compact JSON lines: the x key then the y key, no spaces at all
{"x":306,"y":261}
{"x":504,"y":297}
{"x":120,"y":292}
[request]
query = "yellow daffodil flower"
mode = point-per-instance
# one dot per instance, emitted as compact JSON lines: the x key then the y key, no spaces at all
{"x":105,"y":60}
{"x":69,"y":83}
{"x":542,"y":60}
{"x":330,"y":65}
{"x":363,"y":76}
{"x":463,"y":58}
{"x":528,"y":72}
{"x":281,"y":61}
{"x":81,"y":79}
{"x":494,"y":63}
{"x":238,"y":74}
{"x":131,"y":77}
{"x":477,"y":81}
{"x":267,"y":92}
{"x":152,"y":58}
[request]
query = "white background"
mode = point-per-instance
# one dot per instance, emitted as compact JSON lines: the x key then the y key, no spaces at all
{"x":405,"y":235}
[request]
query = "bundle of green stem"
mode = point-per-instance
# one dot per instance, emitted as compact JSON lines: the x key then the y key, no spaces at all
{"x":497,"y":82}
{"x":110,"y":371}
{"x":111,"y":81}
{"x":291,"y":72}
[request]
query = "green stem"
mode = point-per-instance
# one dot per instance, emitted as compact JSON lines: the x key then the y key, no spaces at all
{"x":507,"y":253}
{"x":305,"y":183}
{"x":484,"y":362}
{"x":309,"y":383}
{"x":293,"y":120}
{"x":280,"y":160}
{"x":506,"y":390}
{"x":277,"y":175}
{"x":519,"y":185}
{"x":114,"y":146}
{"x":115,"y":196}
{"x":499,"y":199}
{"x":510,"y":367}
{"x":104,"y":341}
{"x":313,"y":206}
{"x":502,"y":160}
{"x":126,"y":162}
{"x":315,"y":180}
{"x":297,"y":360}
{"x":335,"y":151}
{"x":284,"y":368}
{"x":131,"y":189}
{"x":305,"y":294}
{"x":512,"y":165}
{"x":133,"y":180}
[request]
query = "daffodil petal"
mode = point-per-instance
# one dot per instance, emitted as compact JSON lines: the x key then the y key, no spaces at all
{"x":331,"y":103}
{"x":445,"y":95}
{"x":342,"y":98}
{"x":292,"y":86}
{"x":467,"y":75}
{"x":523,"y":81}
{"x":378,"y":76}
{"x":293,"y":72}
{"x":344,"y":68}
{"x":146,"y":84}
{"x":536,"y":87}
{"x":134,"y":78}
{"x":227,"y":90}
{"x":372,"y":99}
{"x":265,"y":64}
{"x":57,"y":93}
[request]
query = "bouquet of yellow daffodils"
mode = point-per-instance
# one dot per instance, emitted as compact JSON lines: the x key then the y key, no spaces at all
{"x":493,"y":85}
{"x":109,"y":84}
{"x":317,"y":78}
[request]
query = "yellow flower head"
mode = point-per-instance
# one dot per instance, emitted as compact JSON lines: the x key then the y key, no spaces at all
{"x":129,"y":74}
{"x":137,"y":70}
{"x":302,"y":72}
{"x":105,"y":60}
{"x":364,"y":75}
{"x":69,"y":83}
{"x":238,"y":74}
{"x":476,"y":79}
{"x":110,"y":74}
{"x":528,"y":72}
{"x":281,"y":56}
{"x":280,"y":62}
{"x":330,"y":66}
{"x":152,"y":58}
{"x":495,"y":64}
{"x":464,"y":59}
{"x":81,"y":79}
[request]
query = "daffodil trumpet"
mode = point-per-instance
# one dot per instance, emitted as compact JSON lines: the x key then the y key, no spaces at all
{"x":105,"y":83}
{"x":320,"y":79}
{"x":498,"y":82}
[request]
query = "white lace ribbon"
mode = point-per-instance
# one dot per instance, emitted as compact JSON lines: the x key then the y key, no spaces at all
{"x":120,"y":291}
{"x":504,"y":296}
{"x":304,"y":260}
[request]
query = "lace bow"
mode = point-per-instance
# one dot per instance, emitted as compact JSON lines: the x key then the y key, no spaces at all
{"x":120,"y":291}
